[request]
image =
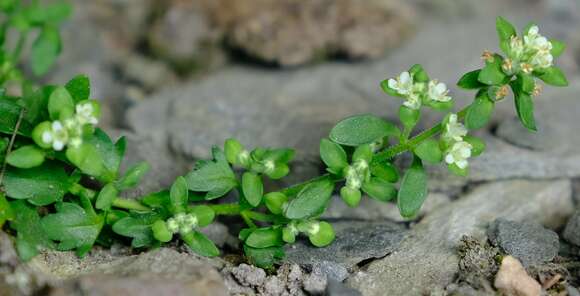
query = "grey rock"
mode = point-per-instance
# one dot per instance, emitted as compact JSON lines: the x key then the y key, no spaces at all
{"x":336,"y":288}
{"x":529,"y":242}
{"x":331,"y":270}
{"x":355,"y":241}
{"x":249,"y":275}
{"x":219,"y":234}
{"x":572,"y":291}
{"x":426,"y":259}
{"x":572,"y":231}
{"x":315,"y":283}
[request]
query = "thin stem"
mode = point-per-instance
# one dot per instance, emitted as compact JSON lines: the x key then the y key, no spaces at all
{"x":10,"y":145}
{"x":130,"y":204}
{"x":247,"y":219}
{"x":227,"y":209}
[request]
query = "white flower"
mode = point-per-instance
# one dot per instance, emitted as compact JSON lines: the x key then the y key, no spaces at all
{"x":402,"y":84}
{"x":454,"y":130}
{"x":413,"y":101}
{"x":437,"y":91}
{"x":540,"y":47}
{"x":458,"y":154}
{"x":516,"y":47}
{"x":57,"y":136}
{"x":542,"y":59}
{"x":85,"y":114}
{"x":353,"y":180}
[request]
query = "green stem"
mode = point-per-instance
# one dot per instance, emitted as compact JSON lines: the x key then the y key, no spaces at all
{"x":247,"y":219}
{"x":130,"y":204}
{"x":227,"y":209}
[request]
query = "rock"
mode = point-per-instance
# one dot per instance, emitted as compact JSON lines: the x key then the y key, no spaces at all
{"x":249,"y":275}
{"x":315,"y":283}
{"x":512,"y":279}
{"x":336,"y":288}
{"x":293,"y":32}
{"x":572,"y":231}
{"x":572,"y":291}
{"x":250,"y":280}
{"x":331,"y":270}
{"x":147,"y":73}
{"x":477,"y":263}
{"x":355,"y":242}
{"x":218,"y":233}
{"x":426,"y":259}
{"x":530,"y":243}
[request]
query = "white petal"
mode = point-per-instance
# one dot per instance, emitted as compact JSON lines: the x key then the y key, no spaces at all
{"x":534,"y":30}
{"x":405,"y":77}
{"x":392,"y":83}
{"x":462,"y":164}
{"x":465,"y":152}
{"x":46,"y":137}
{"x":441,"y":88}
{"x":57,"y":145}
{"x":449,"y":159}
{"x":56,"y":126}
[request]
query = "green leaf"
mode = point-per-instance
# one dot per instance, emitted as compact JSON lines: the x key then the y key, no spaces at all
{"x":179,"y":195}
{"x":160,"y":231}
{"x":204,"y":214}
{"x":479,"y":112}
{"x":106,"y":197}
{"x":53,"y":13}
{"x":362,"y":129}
{"x":45,"y":50}
{"x":453,"y":168}
{"x":385,"y":171}
{"x":73,"y":227}
{"x":36,"y":104}
{"x":363,"y":153}
{"x":525,"y":110}
{"x":87,"y":158}
{"x":418,"y":73}
{"x":138,"y":227}
{"x":477,"y":144}
{"x":492,"y":73}
{"x":505,"y":30}
{"x":26,"y":157}
{"x":429,"y":151}
{"x":388,"y":90}
{"x":253,"y":188}
{"x":380,"y":189}
{"x":526,"y":83}
{"x":6,"y":212}
{"x":264,"y":258}
{"x":133,"y":176}
{"x":111,"y":154}
{"x":30,"y":238}
{"x":413,"y":190}
{"x":333,"y":156}
{"x":275,"y":202}
{"x":350,"y":196}
{"x":79,"y":88}
{"x":324,"y":236}
{"x":265,"y":238}
{"x":232,"y":149}
{"x":311,"y":200}
{"x":282,"y":155}
{"x":10,"y":111}
{"x":409,"y":117}
{"x":200,"y":244}
{"x":214,"y":177}
{"x":41,"y":185}
{"x":60,"y":104}
{"x":558,"y":47}
{"x":553,"y":76}
{"x":470,"y":80}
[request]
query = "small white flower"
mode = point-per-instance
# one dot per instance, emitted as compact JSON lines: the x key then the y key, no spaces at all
{"x":314,"y":228}
{"x":85,"y":114}
{"x":542,"y":59}
{"x":172,"y":225}
{"x":413,"y":101}
{"x":269,"y":165}
{"x":353,"y":180}
{"x":191,"y":221}
{"x":57,"y":136}
{"x":540,"y":47}
{"x":516,"y":47}
{"x":454,"y":130}
{"x":458,"y":154}
{"x":402,"y":84}
{"x":437,"y":91}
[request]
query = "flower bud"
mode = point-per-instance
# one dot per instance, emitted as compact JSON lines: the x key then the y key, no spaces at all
{"x":232,"y":149}
{"x":161,"y":232}
{"x":275,"y":202}
{"x":321,"y":234}
{"x":350,"y":196}
{"x":39,"y":135}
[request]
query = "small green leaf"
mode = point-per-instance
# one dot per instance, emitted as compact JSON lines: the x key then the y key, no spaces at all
{"x":106,"y":197}
{"x":492,"y":73}
{"x":453,"y":168}
{"x":73,"y":227}
{"x":413,"y":190}
{"x":204,"y":214}
{"x":160,"y":231}
{"x":26,"y":157}
{"x":362,"y":129}
{"x":45,"y":50}
{"x":385,"y":87}
{"x":526,"y":83}
{"x":409,"y":117}
{"x":418,"y":73}
{"x":264,"y":258}
{"x":275,"y":202}
{"x":479,"y":112}
{"x":429,"y":151}
{"x":179,"y":195}
{"x":350,"y":196}
{"x":477,"y":144}
{"x":232,"y":149}
{"x":265,"y":238}
{"x":311,"y":200}
{"x":60,"y":104}
{"x":558,"y":47}
{"x":363,"y":153}
{"x":30,"y":238}
{"x":214,"y":177}
{"x":324,"y":236}
{"x":79,"y":88}
{"x":333,"y":155}
{"x":138,"y":227}
{"x":525,"y":110}
{"x":289,"y":234}
{"x":6,"y":212}
{"x":253,"y":188}
{"x":133,"y":176}
{"x":380,"y":189}
{"x":87,"y":158}
{"x":110,"y":153}
{"x":200,"y":244}
{"x":470,"y":80}
{"x":553,"y":76}
{"x":385,"y":171}
{"x":41,"y":185}
{"x":505,"y":30}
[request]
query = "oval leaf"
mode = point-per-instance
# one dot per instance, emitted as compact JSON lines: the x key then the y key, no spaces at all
{"x":362,"y":129}
{"x":413,"y":190}
{"x":253,"y":188}
{"x":26,"y":157}
{"x":311,"y":200}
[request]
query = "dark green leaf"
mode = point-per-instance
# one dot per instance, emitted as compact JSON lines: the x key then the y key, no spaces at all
{"x":418,"y":73}
{"x":470,"y":80}
{"x":362,"y":129}
{"x":429,"y":151}
{"x":253,"y":188}
{"x":10,"y":111}
{"x":6,"y":212}
{"x":106,"y":197}
{"x":385,"y":171}
{"x":380,"y":189}
{"x":79,"y":88}
{"x":265,"y":237}
{"x":264,"y":258}
{"x":87,"y":158}
{"x":111,"y":154}
{"x":60,"y":104}
{"x":479,"y":112}
{"x":200,"y":244}
{"x":26,"y":157}
{"x":138,"y":227}
{"x":413,"y":190}
{"x":179,"y":195}
{"x":41,"y":185}
{"x":73,"y":227}
{"x":30,"y":238}
{"x":505,"y":30}
{"x":311,"y":200}
{"x":554,"y":76}
{"x":214,"y":177}
{"x":409,"y":117}
{"x":525,"y":110}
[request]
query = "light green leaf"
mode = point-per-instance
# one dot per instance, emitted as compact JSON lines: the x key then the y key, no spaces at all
{"x":409,"y":117}
{"x":275,"y":202}
{"x":253,"y":188}
{"x":214,"y":177}
{"x":160,"y":231}
{"x":60,"y":104}
{"x":505,"y":30}
{"x":553,"y":76}
{"x":429,"y":151}
{"x":265,"y":238}
{"x":133,"y":176}
{"x":200,"y":244}
{"x":386,"y":171}
{"x":106,"y":197}
{"x":558,"y":47}
{"x":45,"y":50}
{"x":30,"y":238}
{"x":41,"y":185}
{"x":477,"y":144}
{"x":6,"y":212}
{"x":413,"y":190}
{"x":204,"y":214}
{"x":179,"y":195}
{"x":418,"y":73}
{"x":525,"y":110}
{"x":492,"y":73}
{"x":324,"y":236}
{"x":333,"y":156}
{"x":311,"y":200}
{"x":362,"y":129}
{"x":470,"y":80}
{"x":479,"y":112}
{"x":26,"y":157}
{"x":264,"y":258}
{"x":87,"y":158}
{"x":350,"y":196}
{"x":380,"y":189}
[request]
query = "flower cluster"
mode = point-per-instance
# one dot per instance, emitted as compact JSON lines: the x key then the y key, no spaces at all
{"x":182,"y":223}
{"x":417,"y":93}
{"x":458,"y":150}
{"x":68,"y":131}
{"x":529,"y":53}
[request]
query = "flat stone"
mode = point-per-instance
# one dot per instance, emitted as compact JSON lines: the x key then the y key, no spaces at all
{"x":572,"y":231}
{"x":529,"y":242}
{"x":427,"y":259}
{"x":355,"y":242}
